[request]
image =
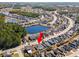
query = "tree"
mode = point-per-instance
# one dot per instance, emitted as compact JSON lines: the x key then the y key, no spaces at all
{"x":10,"y":35}
{"x":27,"y":14}
{"x":2,"y":17}
{"x":77,"y":21}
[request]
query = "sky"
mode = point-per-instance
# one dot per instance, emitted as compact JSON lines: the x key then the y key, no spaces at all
{"x":39,"y":0}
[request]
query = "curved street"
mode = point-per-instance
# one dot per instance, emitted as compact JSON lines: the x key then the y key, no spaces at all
{"x":56,"y":35}
{"x":55,"y":18}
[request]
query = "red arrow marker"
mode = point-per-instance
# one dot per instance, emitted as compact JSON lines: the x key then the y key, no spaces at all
{"x":40,"y":37}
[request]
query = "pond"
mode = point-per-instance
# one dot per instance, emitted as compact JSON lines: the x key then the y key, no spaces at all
{"x":36,"y":29}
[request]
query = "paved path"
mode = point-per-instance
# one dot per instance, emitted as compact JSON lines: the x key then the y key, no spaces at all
{"x":73,"y":54}
{"x":20,"y":53}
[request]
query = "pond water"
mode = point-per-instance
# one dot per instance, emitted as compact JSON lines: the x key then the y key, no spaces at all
{"x":36,"y":29}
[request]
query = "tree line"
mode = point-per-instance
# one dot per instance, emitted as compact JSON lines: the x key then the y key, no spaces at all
{"x":10,"y":34}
